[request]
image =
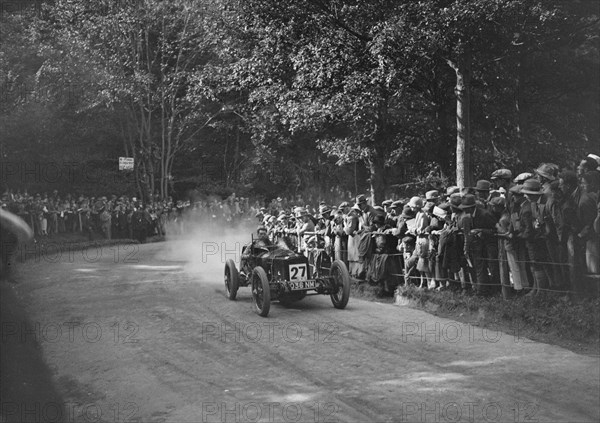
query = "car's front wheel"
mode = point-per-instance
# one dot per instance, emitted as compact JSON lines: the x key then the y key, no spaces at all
{"x":261,"y":292}
{"x":231,"y":279}
{"x":341,"y":284}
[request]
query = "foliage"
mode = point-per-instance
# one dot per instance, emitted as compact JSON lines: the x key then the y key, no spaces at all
{"x":272,"y":97}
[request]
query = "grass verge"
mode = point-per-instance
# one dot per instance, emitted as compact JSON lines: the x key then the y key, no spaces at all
{"x":553,"y":319}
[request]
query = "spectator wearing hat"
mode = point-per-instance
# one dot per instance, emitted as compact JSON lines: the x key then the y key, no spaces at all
{"x":482,"y":192}
{"x":394,"y":211}
{"x":468,"y":191}
{"x":140,"y":222}
{"x":533,"y":232}
{"x":514,"y":208}
{"x":522,"y":177}
{"x":436,"y":224}
{"x":483,"y":247}
{"x":451,"y":190}
{"x":432,"y":196}
{"x":463,"y":220}
{"x":120,"y":217}
{"x":422,"y":242}
{"x":546,"y":173}
{"x":367,"y":214}
{"x":507,"y":252}
{"x":386,"y":205}
{"x":306,"y":228}
{"x":502,"y":178}
{"x":557,"y":211}
{"x":406,"y":223}
{"x":43,"y":216}
{"x":105,"y":222}
{"x":449,"y":250}
{"x":351,"y":228}
{"x":52,"y":215}
{"x":340,"y":244}
{"x":575,"y":227}
{"x":379,"y":218}
{"x":597,"y":220}
{"x":587,"y":164}
{"x":406,"y":247}
{"x":503,"y":231}
{"x":324,"y":229}
{"x":595,"y":157}
{"x":590,"y":183}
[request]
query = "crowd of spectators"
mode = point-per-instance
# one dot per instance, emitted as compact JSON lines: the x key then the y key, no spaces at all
{"x":515,"y":234}
{"x":111,"y":217}
{"x":523,"y":234}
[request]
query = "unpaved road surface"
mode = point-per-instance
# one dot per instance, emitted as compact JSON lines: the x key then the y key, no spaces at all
{"x":143,"y":334}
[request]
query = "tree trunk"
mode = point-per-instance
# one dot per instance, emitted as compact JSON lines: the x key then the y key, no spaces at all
{"x":444,"y":159}
{"x":236,"y":156}
{"x":377,"y":178}
{"x":463,"y":120}
{"x":521,"y":112}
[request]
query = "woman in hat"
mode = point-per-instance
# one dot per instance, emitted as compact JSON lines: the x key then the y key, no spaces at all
{"x":450,"y":242}
{"x":351,"y":229}
{"x":464,"y":221}
{"x":506,"y":249}
{"x":436,"y":224}
{"x":514,"y":208}
{"x":422,"y":220}
{"x":341,"y":238}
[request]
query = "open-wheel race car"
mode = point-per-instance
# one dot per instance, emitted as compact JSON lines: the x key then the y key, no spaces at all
{"x":276,"y":273}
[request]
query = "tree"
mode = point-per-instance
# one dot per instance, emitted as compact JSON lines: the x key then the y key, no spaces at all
{"x":317,"y":69}
{"x":149,"y":63}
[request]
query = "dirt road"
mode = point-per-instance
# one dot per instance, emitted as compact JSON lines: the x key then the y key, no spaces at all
{"x":143,"y":334}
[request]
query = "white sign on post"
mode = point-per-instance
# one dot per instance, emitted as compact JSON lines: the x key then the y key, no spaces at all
{"x":125,"y":163}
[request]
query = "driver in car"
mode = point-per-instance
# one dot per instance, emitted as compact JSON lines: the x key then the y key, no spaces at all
{"x":261,"y":241}
{"x":262,"y":237}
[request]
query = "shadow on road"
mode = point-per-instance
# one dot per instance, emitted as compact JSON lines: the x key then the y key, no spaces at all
{"x":26,"y":388}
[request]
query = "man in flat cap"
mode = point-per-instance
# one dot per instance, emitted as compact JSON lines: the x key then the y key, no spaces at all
{"x":502,"y":180}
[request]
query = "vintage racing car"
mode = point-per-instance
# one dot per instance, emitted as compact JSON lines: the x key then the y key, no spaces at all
{"x":275,"y":272}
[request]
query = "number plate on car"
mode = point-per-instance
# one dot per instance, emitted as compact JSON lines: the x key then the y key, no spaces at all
{"x":298,"y":272}
{"x":303,"y":285}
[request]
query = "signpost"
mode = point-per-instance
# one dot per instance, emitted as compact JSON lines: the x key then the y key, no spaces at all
{"x":125,"y":163}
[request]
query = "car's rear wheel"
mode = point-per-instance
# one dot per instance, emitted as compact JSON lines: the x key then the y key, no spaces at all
{"x":341,"y":284}
{"x":231,"y":279}
{"x":261,"y":292}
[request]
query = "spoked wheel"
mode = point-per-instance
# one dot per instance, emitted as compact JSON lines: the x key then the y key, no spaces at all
{"x":261,"y":292}
{"x":231,"y":279}
{"x":341,"y":281}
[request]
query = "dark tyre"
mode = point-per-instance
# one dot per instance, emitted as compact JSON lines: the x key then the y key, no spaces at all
{"x":341,"y":284}
{"x":288,"y":299}
{"x":231,"y":279}
{"x":261,"y":292}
